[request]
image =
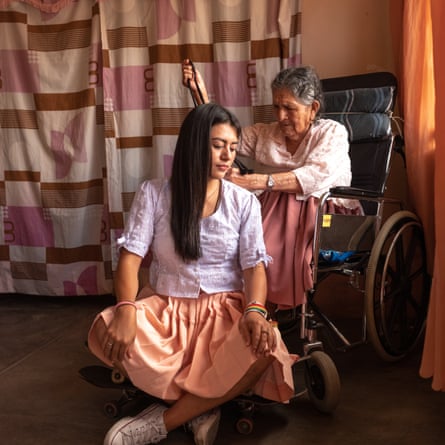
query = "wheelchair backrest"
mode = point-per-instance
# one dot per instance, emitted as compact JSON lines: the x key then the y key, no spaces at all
{"x":364,"y":103}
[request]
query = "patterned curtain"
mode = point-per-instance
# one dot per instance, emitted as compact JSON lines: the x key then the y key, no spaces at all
{"x":91,"y":102}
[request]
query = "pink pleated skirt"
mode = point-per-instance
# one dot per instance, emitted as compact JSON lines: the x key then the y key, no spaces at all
{"x":289,"y":227}
{"x":187,"y":345}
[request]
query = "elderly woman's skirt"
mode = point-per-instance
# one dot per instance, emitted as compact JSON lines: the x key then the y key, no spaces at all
{"x":288,"y":226}
{"x":195,"y":346}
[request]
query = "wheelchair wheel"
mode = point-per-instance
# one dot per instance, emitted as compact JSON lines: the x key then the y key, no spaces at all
{"x":112,"y":409}
{"x":397,"y":287}
{"x":322,"y":381}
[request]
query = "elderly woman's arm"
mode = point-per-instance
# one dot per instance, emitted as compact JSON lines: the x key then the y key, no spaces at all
{"x":281,"y":182}
{"x":193,"y":80}
{"x":323,"y":161}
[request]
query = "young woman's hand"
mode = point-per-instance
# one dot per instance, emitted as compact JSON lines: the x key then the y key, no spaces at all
{"x":258,"y":333}
{"x":120,"y":333}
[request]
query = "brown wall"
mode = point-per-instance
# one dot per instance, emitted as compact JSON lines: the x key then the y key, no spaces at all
{"x":346,"y":37}
{"x":342,"y":37}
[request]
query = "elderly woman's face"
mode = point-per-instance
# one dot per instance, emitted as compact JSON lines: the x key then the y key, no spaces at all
{"x":293,"y":117}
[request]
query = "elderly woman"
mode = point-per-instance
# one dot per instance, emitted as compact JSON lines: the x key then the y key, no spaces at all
{"x":300,"y":156}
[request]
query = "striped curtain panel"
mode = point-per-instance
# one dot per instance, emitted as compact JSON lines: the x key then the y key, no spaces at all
{"x":91,"y":102}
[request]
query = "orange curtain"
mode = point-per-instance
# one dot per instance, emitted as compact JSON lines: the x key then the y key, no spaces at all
{"x":433,"y":363}
{"x":422,"y":74}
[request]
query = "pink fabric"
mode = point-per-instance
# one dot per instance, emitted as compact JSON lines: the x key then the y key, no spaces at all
{"x":288,"y":226}
{"x":48,"y":6}
{"x":195,"y":346}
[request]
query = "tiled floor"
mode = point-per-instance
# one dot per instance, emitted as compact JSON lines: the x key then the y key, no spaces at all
{"x":44,"y":402}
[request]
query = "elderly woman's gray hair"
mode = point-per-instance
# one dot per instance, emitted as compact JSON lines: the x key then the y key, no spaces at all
{"x":302,"y":81}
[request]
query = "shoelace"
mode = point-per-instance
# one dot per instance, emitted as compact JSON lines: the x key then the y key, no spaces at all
{"x":197,"y":421}
{"x":142,"y":435}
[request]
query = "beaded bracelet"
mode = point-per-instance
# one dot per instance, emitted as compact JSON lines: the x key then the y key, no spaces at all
{"x":124,"y":302}
{"x":255,"y":306}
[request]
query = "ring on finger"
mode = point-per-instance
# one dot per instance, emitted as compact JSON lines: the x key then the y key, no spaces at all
{"x":109,"y":345}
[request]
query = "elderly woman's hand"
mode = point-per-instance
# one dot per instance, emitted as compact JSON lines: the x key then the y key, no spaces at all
{"x":188,"y":75}
{"x":191,"y":78}
{"x":258,"y":333}
{"x":252,"y":182}
{"x":232,"y":174}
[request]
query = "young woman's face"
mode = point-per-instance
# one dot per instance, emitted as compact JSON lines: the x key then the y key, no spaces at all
{"x":293,"y":117}
{"x":224,"y":144}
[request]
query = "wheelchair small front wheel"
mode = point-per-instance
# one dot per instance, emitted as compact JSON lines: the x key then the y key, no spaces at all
{"x":397,"y":287}
{"x":112,"y":409}
{"x":244,"y":425}
{"x":322,"y":381}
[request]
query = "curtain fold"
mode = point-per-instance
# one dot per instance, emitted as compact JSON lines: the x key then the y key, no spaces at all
{"x":423,"y":96}
{"x":47,"y":6}
{"x":91,"y":102}
{"x":433,"y":360}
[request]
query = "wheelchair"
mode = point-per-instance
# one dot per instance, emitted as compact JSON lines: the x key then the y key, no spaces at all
{"x":383,"y":257}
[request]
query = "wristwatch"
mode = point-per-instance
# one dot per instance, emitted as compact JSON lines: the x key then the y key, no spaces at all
{"x":270,"y":182}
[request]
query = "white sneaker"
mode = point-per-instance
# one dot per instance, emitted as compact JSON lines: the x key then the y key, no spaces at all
{"x":205,"y":427}
{"x":145,"y":428}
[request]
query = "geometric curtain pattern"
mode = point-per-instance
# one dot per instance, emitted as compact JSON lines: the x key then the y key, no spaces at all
{"x":91,"y":102}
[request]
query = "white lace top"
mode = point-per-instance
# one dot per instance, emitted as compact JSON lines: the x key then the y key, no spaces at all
{"x":231,"y":241}
{"x":320,"y":162}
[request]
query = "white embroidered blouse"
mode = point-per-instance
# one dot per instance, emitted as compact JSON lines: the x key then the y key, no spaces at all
{"x":320,"y":162}
{"x":231,"y":241}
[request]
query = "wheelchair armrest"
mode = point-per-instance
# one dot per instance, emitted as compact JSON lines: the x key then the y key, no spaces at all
{"x":354,"y":191}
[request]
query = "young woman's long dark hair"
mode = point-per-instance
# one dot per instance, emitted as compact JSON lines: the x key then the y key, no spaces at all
{"x":190,"y":173}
